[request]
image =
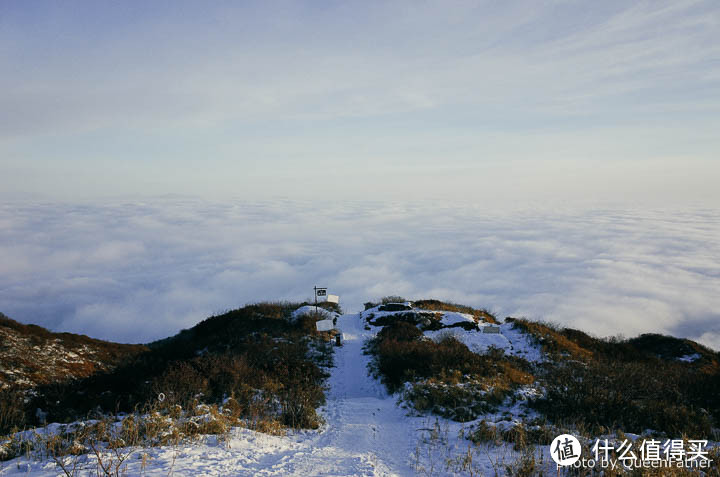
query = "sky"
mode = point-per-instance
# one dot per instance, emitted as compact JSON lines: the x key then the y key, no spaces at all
{"x":520,"y":100}
{"x":162,"y":161}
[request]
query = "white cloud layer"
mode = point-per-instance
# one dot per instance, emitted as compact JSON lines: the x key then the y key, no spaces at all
{"x":139,"y":271}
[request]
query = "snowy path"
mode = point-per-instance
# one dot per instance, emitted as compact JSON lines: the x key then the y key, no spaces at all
{"x":362,"y":418}
{"x":366,"y":433}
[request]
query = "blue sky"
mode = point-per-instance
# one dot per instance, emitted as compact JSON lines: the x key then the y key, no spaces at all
{"x":556,"y":100}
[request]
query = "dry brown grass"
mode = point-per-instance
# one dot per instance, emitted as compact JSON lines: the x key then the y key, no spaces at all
{"x":437,"y":305}
{"x":552,"y":341}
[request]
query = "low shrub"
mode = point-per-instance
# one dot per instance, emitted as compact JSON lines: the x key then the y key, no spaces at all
{"x":392,"y":299}
{"x":399,"y":361}
{"x":452,"y":401}
{"x":632,"y":384}
{"x":633,"y":396}
{"x":444,"y":377}
{"x":400,"y":331}
{"x":12,"y":409}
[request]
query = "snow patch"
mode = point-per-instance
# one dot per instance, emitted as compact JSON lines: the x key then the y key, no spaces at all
{"x":451,"y":318}
{"x":689,"y":358}
{"x":513,"y":341}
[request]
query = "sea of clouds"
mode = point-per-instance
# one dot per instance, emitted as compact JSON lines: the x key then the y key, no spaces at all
{"x":141,"y":270}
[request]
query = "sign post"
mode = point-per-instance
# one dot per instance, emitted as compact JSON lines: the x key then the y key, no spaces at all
{"x":319,"y":292}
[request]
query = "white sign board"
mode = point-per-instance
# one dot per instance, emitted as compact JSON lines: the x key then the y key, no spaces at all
{"x":333,"y":299}
{"x":324,"y":325}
